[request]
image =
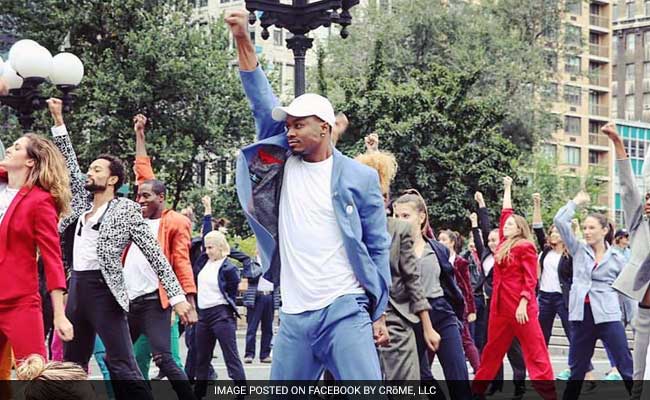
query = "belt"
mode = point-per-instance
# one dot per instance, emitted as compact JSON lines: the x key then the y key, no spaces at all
{"x":145,"y":297}
{"x":263,"y":293}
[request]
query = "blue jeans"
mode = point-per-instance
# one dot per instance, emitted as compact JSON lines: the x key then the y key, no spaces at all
{"x":478,"y":328}
{"x":337,"y":337}
{"x":261,"y":312}
{"x":585,"y":335}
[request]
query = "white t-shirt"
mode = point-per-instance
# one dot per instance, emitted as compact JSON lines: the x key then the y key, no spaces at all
{"x":550,"y":280}
{"x":209,"y":294}
{"x":488,"y":264}
{"x":85,"y":243}
{"x":315,"y":267}
{"x":7,"y":196}
{"x":139,"y":277}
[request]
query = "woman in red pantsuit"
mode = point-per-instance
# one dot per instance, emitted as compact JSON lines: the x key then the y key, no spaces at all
{"x":34,"y":193}
{"x":514,"y":306}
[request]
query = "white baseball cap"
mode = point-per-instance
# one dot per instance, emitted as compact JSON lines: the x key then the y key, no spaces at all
{"x":307,"y":105}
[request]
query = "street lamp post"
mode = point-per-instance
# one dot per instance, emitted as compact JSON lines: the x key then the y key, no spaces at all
{"x":28,"y":66}
{"x":300,"y":18}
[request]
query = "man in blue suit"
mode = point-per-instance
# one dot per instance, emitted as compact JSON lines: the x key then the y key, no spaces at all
{"x":320,"y":224}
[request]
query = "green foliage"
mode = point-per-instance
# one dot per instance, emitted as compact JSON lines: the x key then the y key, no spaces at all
{"x":224,"y":205}
{"x":145,"y":56}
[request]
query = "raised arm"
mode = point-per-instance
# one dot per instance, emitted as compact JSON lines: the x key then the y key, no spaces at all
{"x":251,"y":268}
{"x":483,"y":217}
{"x":630,"y":196}
{"x":206,"y":227}
{"x":538,"y":225}
{"x":80,"y":196}
{"x":506,"y":207}
{"x":476,"y":235}
{"x":142,"y":166}
{"x":256,"y":86}
{"x":563,"y":222}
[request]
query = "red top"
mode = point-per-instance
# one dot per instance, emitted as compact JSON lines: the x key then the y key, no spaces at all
{"x":516,"y":276}
{"x":461,"y":272}
{"x":30,"y":223}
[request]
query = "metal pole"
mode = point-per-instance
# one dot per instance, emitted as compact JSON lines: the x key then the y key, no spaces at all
{"x":299,"y":44}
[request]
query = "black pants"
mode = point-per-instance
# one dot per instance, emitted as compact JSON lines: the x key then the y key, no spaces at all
{"x":217,"y":324}
{"x":147,"y":317}
{"x":262,"y":312}
{"x":516,"y":358}
{"x":190,"y":360}
{"x":93,"y":310}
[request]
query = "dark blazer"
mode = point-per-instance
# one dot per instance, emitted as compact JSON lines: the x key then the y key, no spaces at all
{"x":564,"y":270}
{"x":453,"y":295}
{"x":406,"y":292}
{"x":481,"y":243}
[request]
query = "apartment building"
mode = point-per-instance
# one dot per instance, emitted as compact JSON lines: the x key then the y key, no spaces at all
{"x":581,"y":95}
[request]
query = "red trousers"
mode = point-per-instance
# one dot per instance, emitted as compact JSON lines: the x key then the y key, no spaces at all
{"x":21,"y":324}
{"x":501,"y":331}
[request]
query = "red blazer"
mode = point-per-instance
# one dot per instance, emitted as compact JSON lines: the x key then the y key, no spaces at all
{"x":30,"y":223}
{"x":461,"y":272}
{"x":515,"y":277}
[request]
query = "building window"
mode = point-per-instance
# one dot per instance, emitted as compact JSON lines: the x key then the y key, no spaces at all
{"x":572,"y":65}
{"x":574,"y":6}
{"x":630,"y":72}
{"x":614,"y":108}
{"x":573,"y":95}
{"x":630,"y":43}
{"x":594,"y":157}
{"x":203,"y":3}
{"x":646,"y":101}
{"x":573,"y":35}
{"x":629,"y":107}
{"x":572,"y":155}
{"x":225,"y":1}
{"x":549,"y":151}
{"x":550,"y":91}
{"x":646,"y":8}
{"x":646,"y":70}
{"x":572,"y":125}
{"x":277,"y":37}
{"x":551,"y":60}
{"x":630,"y":9}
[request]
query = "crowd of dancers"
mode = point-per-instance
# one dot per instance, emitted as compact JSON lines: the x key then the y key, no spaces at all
{"x":368,"y":290}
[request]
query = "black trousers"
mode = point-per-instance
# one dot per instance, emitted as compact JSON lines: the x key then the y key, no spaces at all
{"x":217,"y":324}
{"x":147,"y":317}
{"x":93,"y":310}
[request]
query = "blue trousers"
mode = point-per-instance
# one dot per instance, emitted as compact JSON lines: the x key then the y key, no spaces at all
{"x":217,"y":324}
{"x":585,"y":335}
{"x":478,"y":328}
{"x":262,"y":312}
{"x":337,"y":337}
{"x":450,"y":352}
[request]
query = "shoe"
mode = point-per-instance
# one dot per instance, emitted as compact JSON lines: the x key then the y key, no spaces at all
{"x":266,"y":360}
{"x":564,"y":375}
{"x":589,"y":387}
{"x":493,"y":389}
{"x":248,"y":360}
{"x":613,"y":376}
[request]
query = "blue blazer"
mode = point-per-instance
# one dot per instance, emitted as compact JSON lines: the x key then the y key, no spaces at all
{"x":356,"y":197}
{"x":597,"y":282}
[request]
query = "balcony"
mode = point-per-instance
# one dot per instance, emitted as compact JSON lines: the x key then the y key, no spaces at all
{"x":598,"y":139}
{"x":599,"y":20}
{"x":599,"y":79}
{"x":600,"y":110}
{"x":598,"y":50}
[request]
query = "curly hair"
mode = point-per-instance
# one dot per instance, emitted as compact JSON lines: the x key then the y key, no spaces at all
{"x":384,"y":163}
{"x":49,"y":171}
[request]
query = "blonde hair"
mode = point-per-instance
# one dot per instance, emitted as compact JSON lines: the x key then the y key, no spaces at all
{"x":384,"y":163}
{"x":503,"y":251}
{"x":49,"y":171}
{"x":219,"y":239}
{"x":35,"y":367}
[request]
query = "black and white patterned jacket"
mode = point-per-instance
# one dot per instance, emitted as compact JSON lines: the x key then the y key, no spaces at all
{"x":122,"y":224}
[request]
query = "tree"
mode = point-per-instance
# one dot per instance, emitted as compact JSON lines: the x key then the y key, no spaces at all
{"x":150,"y":57}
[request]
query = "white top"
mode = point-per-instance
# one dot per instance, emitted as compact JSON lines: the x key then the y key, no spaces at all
{"x":85,"y":242}
{"x":7,"y":196}
{"x":209,"y":294}
{"x":315,"y":267}
{"x":550,"y":280}
{"x":139,"y":277}
{"x":264,"y":286}
{"x":488,"y":264}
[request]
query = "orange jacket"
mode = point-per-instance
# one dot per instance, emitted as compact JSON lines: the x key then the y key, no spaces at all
{"x":174,"y":236}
